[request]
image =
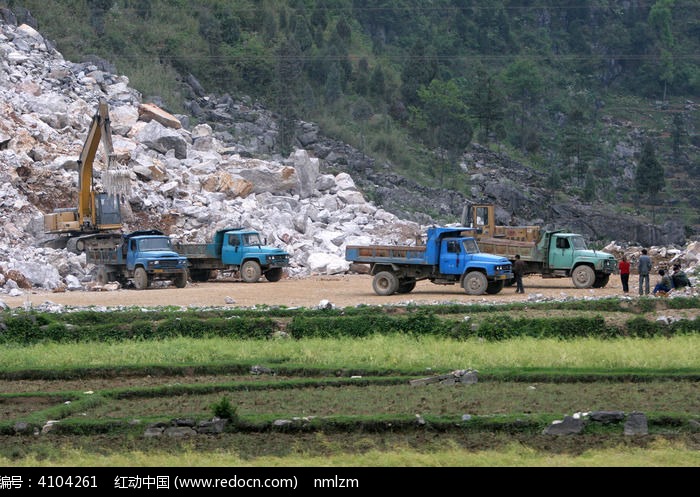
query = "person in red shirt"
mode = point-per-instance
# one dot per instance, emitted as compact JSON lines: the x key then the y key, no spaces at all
{"x":624,"y":267}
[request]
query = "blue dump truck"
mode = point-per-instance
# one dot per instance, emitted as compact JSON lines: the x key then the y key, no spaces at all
{"x":140,"y":258}
{"x":237,"y":250}
{"x":449,"y":256}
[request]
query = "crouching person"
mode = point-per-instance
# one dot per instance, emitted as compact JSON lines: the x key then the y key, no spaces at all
{"x":664,"y":285}
{"x":679,"y":278}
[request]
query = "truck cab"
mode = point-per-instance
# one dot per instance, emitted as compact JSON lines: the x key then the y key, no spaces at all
{"x":566,"y":254}
{"x":247,"y":250}
{"x":459,"y":256}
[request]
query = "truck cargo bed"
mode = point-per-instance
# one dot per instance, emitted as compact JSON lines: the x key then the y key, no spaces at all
{"x":198,"y":250}
{"x":401,"y":254}
{"x":509,"y":248}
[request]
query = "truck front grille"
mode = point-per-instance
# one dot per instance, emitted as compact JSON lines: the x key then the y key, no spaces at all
{"x":166,"y":263}
{"x":278,"y":260}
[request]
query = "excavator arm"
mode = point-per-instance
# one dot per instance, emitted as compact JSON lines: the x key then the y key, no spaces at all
{"x":97,"y":211}
{"x":100,"y":131}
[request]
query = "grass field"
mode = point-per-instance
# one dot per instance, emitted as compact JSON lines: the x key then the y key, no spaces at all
{"x":349,"y":401}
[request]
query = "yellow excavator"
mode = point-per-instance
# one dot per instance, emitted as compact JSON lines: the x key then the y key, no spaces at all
{"x":98,"y":211}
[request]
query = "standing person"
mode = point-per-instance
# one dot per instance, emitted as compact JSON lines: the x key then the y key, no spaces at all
{"x":644,"y":268}
{"x":624,"y":267}
{"x":519,"y":271}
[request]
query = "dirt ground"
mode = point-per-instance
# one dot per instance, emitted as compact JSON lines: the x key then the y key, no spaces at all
{"x":345,"y":290}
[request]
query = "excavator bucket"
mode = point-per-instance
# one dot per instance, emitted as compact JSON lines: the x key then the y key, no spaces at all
{"x":116,"y":179}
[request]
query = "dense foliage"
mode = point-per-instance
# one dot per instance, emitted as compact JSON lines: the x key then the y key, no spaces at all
{"x":398,"y":78}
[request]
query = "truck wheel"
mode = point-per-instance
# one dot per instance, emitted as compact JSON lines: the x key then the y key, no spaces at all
{"x":199,"y":275}
{"x":406,"y":286}
{"x":140,"y":278}
{"x":102,"y":276}
{"x":250,"y":271}
{"x":181,"y":280}
{"x":494,"y":287}
{"x":385,"y":283}
{"x":601,"y":281}
{"x":475,"y":283}
{"x":274,"y":274}
{"x":583,"y":277}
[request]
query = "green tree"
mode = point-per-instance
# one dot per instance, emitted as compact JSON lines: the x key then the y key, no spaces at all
{"x":269,"y":25}
{"x":319,"y":16}
{"x":361,"y":112}
{"x":577,"y":145}
{"x":343,"y":29}
{"x":333,"y":87}
{"x":362,"y":78}
{"x":302,"y":33}
{"x":288,"y":89}
{"x":442,"y":121}
{"x":589,"y":187}
{"x":524,"y":85}
{"x":649,"y":179}
{"x":143,"y":8}
{"x":660,"y":20}
{"x":553,"y":178}
{"x":678,"y":134}
{"x":486,"y":103}
{"x":377,"y":85}
{"x":419,"y":70}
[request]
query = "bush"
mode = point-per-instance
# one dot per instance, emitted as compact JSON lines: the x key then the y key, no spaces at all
{"x":224,"y":410}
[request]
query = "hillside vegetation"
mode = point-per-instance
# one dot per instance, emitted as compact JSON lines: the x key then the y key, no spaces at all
{"x":558,"y":86}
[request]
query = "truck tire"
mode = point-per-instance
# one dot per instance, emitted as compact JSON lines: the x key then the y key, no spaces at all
{"x":250,"y":271}
{"x":274,"y":274}
{"x":583,"y":276}
{"x":140,"y":279}
{"x":475,"y":283}
{"x":601,"y":280}
{"x":406,"y":286}
{"x":385,"y":283}
{"x":102,"y":276}
{"x":181,"y":280}
{"x":200,"y":275}
{"x":495,"y":287}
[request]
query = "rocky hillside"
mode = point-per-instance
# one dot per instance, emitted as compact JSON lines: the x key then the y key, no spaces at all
{"x":519,"y":192}
{"x":188,"y":182}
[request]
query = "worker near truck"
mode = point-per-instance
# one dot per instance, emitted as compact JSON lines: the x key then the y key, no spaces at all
{"x":519,"y":271}
{"x":624,"y":268}
{"x":644,"y":268}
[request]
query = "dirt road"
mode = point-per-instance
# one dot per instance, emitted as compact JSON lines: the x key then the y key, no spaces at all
{"x":341,"y":291}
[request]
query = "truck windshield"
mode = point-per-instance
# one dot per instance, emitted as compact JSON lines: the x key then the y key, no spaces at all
{"x":579,"y":243}
{"x":252,"y":239}
{"x":470,"y":246}
{"x":155,"y":244}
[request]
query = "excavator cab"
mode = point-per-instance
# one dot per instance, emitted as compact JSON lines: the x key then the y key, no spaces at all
{"x":108,"y":212}
{"x":483,"y":219}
